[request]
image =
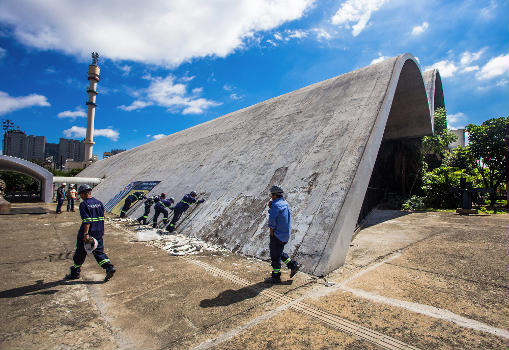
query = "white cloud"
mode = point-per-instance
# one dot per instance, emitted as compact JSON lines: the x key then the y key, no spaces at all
{"x":322,"y":34}
{"x":278,"y":36}
{"x":3,"y":52}
{"x":160,"y":32}
{"x":10,"y":104}
{"x":77,"y":113}
{"x":235,"y":96}
{"x":468,"y":57}
{"x":126,"y":69}
{"x":158,"y":136}
{"x":80,"y":132}
{"x":358,"y":12}
{"x":495,"y":67}
{"x":470,"y":69}
{"x":379,"y":59}
{"x":502,"y":82}
{"x":298,"y":34}
{"x":488,"y":12}
{"x":166,"y":92}
{"x":137,"y":104}
{"x":417,"y":30}
{"x":456,"y":120}
{"x":447,"y":68}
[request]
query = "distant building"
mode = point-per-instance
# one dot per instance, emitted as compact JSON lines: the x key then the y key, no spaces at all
{"x":112,"y":153}
{"x":18,"y":144}
{"x":71,"y":149}
{"x":29,"y":147}
{"x":460,"y":133}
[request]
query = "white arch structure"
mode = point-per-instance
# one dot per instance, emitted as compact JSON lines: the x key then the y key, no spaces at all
{"x":319,"y":143}
{"x":19,"y":165}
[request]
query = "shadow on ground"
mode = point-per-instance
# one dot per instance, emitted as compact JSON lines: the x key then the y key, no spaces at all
{"x":41,"y":288}
{"x":232,"y":296}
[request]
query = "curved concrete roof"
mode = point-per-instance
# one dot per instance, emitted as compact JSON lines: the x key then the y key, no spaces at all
{"x":19,"y":165}
{"x":319,"y":143}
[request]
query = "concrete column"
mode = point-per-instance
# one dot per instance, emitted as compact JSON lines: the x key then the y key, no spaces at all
{"x":93,"y":78}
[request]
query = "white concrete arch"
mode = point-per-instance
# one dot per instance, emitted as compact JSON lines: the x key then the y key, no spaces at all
{"x":319,"y":143}
{"x":22,"y":166}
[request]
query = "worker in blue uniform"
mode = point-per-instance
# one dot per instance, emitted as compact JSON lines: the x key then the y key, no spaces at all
{"x":136,"y":196}
{"x":181,"y":207}
{"x":162,"y":206}
{"x":148,"y":204}
{"x":280,"y":228}
{"x":92,"y":226}
{"x":60,"y":197}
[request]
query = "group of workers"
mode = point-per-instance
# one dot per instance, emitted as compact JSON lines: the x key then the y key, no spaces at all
{"x":90,"y":234}
{"x":69,"y":194}
{"x":161,"y":206}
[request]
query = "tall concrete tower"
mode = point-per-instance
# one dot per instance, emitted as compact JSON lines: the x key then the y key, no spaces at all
{"x":93,"y":78}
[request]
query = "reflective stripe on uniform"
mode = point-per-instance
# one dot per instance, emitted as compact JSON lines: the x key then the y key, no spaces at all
{"x":276,"y":270}
{"x":287,"y":261}
{"x":183,"y":201}
{"x":101,"y":263}
{"x":76,"y":266}
{"x":100,"y":218}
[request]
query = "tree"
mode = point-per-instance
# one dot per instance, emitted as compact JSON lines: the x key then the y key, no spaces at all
{"x":461,"y":158}
{"x":488,"y":144}
{"x":434,"y":147}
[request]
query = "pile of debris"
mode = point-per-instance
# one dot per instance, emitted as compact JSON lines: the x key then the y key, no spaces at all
{"x":176,"y":244}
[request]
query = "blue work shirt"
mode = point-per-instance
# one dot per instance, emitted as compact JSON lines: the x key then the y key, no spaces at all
{"x":92,"y":212}
{"x":136,"y":196}
{"x":163,"y":204}
{"x":280,"y":219}
{"x":184,"y":204}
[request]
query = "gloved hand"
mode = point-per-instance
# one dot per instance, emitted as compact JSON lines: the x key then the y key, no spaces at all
{"x":270,"y":203}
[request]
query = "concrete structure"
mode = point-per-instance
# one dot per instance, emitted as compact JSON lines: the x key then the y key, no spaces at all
{"x":93,"y":78}
{"x":29,"y":147}
{"x":71,"y":149}
{"x":460,"y":133}
{"x":320,"y":143}
{"x":19,"y":165}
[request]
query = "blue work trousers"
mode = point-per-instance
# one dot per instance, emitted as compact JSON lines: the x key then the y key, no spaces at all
{"x":80,"y":255}
{"x":277,"y":254}
{"x":60,"y":202}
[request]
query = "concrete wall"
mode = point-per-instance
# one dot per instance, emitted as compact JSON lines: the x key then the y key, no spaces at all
{"x":319,"y":143}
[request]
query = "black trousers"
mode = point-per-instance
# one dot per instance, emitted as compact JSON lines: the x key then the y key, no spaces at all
{"x":176,"y":216}
{"x":277,"y":254}
{"x":144,"y":217}
{"x":125,"y":208}
{"x":81,"y":254}
{"x":156,"y":215}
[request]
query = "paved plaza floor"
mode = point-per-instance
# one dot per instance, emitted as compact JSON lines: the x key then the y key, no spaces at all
{"x":411,"y":281}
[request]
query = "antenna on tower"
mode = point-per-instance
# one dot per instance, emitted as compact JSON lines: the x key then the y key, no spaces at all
{"x":95,"y":58}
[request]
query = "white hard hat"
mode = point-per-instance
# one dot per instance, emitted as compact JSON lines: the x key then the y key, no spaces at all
{"x":89,"y":247}
{"x":63,"y":184}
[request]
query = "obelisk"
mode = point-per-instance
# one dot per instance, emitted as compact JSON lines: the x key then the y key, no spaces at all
{"x":93,"y":78}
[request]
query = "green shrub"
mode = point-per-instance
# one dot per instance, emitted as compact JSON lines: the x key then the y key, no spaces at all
{"x":414,"y":203}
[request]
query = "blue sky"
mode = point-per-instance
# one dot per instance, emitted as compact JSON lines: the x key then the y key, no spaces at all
{"x":169,"y":65}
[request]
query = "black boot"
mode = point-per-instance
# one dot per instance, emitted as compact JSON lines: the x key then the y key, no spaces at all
{"x":274,"y":278}
{"x":109,"y":273}
{"x":294,"y":268}
{"x":72,"y":275}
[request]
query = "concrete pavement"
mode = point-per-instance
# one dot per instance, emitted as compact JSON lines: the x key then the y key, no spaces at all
{"x":422,"y":280}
